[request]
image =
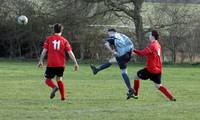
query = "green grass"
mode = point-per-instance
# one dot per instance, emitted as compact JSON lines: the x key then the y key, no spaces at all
{"x":24,"y":96}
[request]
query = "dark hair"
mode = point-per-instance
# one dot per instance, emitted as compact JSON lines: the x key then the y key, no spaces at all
{"x":155,"y":34}
{"x":111,"y":30}
{"x":58,"y":28}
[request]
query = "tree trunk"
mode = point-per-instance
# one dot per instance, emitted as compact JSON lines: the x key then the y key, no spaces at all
{"x":11,"y":49}
{"x":139,"y":23}
{"x":174,"y":55}
{"x":82,"y":51}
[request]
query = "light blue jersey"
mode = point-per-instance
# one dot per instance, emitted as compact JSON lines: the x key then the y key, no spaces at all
{"x":122,"y":44}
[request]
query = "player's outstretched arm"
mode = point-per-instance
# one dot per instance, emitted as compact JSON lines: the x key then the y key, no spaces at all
{"x":40,"y":63}
{"x":143,"y":52}
{"x":73,"y":58}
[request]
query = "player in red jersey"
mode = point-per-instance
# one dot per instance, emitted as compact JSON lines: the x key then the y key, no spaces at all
{"x":153,"y":69}
{"x":55,"y":47}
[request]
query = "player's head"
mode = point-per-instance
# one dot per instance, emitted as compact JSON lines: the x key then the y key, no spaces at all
{"x":153,"y":35}
{"x":58,"y":28}
{"x":111,"y":31}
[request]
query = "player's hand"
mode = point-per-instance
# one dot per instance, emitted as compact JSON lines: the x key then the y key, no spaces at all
{"x":76,"y":67}
{"x":133,"y":53}
{"x":40,"y":64}
{"x":114,"y":53}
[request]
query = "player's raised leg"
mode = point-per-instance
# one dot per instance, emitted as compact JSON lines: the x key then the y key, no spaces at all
{"x":165,"y":91}
{"x":95,"y":70}
{"x":61,"y":87}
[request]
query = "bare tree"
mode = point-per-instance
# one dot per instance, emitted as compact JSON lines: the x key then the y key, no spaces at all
{"x":127,"y":10}
{"x":173,"y":21}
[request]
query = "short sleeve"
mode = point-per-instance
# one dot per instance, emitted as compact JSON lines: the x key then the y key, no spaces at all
{"x":111,"y":40}
{"x":67,"y":46}
{"x":46,"y":44}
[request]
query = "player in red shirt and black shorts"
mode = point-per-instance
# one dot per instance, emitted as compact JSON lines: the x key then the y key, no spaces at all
{"x":153,"y":69}
{"x":55,"y":47}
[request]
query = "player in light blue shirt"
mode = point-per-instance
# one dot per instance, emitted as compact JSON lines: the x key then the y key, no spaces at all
{"x":123,"y":47}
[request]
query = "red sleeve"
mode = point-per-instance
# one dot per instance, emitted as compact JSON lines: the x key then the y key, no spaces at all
{"x":67,"y":46}
{"x":46,"y":44}
{"x":144,"y":52}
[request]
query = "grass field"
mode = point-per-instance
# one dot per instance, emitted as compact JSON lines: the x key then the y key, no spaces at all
{"x":23,"y":95}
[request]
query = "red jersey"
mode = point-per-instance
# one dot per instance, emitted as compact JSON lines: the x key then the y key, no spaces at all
{"x":56,"y":46}
{"x":153,"y":54}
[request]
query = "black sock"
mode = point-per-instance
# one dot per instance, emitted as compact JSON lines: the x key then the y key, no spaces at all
{"x":103,"y":66}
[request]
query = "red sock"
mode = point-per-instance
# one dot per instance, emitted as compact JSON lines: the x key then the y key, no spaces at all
{"x":136,"y":86}
{"x":61,"y":89}
{"x":166,"y":92}
{"x":50,"y":83}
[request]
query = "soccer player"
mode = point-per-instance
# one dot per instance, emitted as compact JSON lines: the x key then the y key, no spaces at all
{"x":123,"y":47}
{"x":55,"y":47}
{"x":153,"y":69}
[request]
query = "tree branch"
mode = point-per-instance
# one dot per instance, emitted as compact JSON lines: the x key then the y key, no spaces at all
{"x":120,"y":7}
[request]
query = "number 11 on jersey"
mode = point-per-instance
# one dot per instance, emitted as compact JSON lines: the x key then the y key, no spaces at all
{"x":56,"y":44}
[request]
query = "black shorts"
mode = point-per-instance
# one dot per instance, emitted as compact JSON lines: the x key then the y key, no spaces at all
{"x":51,"y":72}
{"x":144,"y":74}
{"x":123,"y":60}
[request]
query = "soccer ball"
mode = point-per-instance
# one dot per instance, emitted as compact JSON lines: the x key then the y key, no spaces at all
{"x":22,"y":20}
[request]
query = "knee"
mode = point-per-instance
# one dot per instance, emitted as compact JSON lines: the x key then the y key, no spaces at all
{"x":136,"y":77}
{"x":112,"y":60}
{"x":158,"y":86}
{"x":58,"y":78}
{"x":124,"y":71}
